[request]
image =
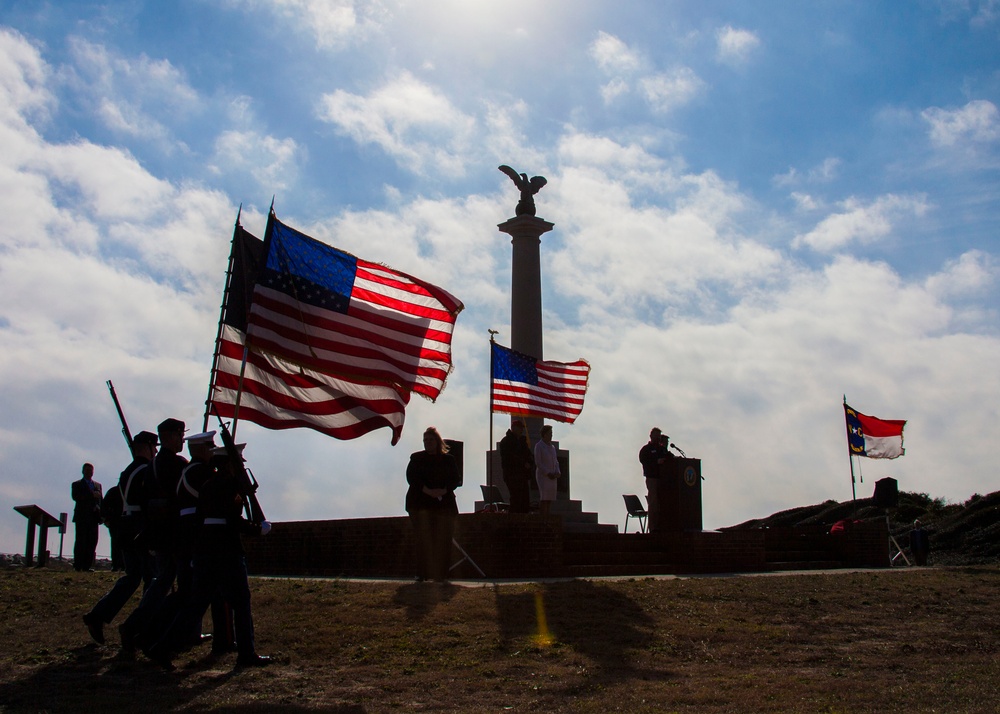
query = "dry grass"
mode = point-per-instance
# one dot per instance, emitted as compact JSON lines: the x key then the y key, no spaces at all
{"x":879,"y":641}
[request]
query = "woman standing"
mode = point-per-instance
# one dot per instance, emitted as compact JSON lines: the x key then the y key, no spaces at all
{"x":546,"y":470}
{"x":433,"y":477}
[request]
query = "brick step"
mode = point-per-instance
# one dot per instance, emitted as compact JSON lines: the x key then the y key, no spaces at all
{"x":804,"y":565}
{"x":574,"y":528}
{"x":618,"y":569}
{"x":779,"y":555}
{"x":625,"y":558}
{"x":609,"y":541}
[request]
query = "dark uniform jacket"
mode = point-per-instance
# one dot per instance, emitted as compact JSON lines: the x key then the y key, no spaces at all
{"x":220,"y":511}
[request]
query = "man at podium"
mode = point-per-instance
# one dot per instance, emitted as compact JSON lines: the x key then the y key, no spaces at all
{"x":652,"y":456}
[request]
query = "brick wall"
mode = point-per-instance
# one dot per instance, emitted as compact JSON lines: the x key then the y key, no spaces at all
{"x":525,"y":546}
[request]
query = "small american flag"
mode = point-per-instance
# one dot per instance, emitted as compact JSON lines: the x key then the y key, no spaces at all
{"x":524,"y":386}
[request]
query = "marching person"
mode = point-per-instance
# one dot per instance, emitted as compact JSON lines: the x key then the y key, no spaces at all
{"x":87,"y":497}
{"x":220,"y":567}
{"x":547,"y":470}
{"x":157,"y":537}
{"x":131,"y":486}
{"x":433,"y":476}
{"x":517,"y":463}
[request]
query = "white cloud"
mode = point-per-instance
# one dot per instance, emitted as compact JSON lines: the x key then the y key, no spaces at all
{"x":734,"y":46}
{"x":666,"y":91}
{"x":272,"y":162}
{"x":976,"y":122}
{"x":129,"y":95}
{"x":858,"y":222}
{"x":970,"y":273}
{"x":23,"y":77}
{"x":614,"y":56}
{"x":332,"y":23}
{"x":826,"y":171}
{"x":408,"y":119}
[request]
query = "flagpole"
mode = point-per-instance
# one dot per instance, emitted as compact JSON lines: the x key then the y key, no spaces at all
{"x":246,"y":339}
{"x":222,"y":318}
{"x":489,"y":465}
{"x":850,"y":457}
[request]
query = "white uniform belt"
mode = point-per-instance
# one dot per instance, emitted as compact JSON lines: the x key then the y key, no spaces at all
{"x":189,"y":511}
{"x":215,"y":521}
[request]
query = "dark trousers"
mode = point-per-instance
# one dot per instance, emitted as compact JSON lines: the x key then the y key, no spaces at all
{"x":433,"y":532}
{"x":216,"y":577}
{"x":136,"y":571}
{"x":146,"y":620}
{"x":117,"y":557}
{"x":520,"y":494}
{"x":85,"y":546}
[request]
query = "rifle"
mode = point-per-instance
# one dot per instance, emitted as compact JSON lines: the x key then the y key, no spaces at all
{"x":121,"y":415}
{"x":246,"y":484}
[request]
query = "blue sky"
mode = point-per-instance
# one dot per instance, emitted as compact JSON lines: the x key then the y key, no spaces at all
{"x":758,"y":209}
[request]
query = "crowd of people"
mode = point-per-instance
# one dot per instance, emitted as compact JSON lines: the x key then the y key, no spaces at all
{"x":175,"y":524}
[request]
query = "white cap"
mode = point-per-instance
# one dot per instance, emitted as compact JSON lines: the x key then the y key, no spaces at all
{"x":205,"y":437}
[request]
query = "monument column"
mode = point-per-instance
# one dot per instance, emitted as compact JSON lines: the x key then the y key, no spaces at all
{"x":526,"y":293}
{"x":526,"y":283}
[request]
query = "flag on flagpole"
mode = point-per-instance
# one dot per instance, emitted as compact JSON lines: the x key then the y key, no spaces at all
{"x":524,"y":386}
{"x":277,"y":394}
{"x":873,"y":437}
{"x":335,"y":314}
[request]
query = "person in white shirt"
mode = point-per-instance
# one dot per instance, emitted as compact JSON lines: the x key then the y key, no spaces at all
{"x":546,"y":470}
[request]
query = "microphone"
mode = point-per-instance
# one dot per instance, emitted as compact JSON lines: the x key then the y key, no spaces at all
{"x":678,"y":450}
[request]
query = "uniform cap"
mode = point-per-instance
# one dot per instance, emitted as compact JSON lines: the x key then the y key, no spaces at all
{"x":170,"y":425}
{"x":145,"y":437}
{"x":205,"y":437}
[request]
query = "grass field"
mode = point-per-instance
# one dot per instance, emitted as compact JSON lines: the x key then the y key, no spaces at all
{"x":913,"y":640}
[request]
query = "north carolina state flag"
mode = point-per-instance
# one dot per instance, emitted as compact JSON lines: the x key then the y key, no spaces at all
{"x":873,"y":437}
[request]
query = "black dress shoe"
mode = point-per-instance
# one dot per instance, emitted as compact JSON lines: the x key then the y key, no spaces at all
{"x":255,"y":660}
{"x":128,"y":639}
{"x":95,"y":627}
{"x":161,"y":658}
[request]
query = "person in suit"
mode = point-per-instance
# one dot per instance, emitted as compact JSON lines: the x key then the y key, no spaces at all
{"x":87,"y":496}
{"x":433,"y":476}
{"x":517,"y":463}
{"x":652,"y":455}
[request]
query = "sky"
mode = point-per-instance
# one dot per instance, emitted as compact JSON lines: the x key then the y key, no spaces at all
{"x":759,"y":209}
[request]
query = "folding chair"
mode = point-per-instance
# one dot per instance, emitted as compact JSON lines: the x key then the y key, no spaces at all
{"x":493,"y":500}
{"x":634,"y":509}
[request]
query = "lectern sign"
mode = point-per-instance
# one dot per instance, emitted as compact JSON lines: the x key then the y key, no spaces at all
{"x":690,"y":476}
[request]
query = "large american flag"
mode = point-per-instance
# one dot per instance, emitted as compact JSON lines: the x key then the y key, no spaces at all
{"x":334,"y":314}
{"x":524,"y":386}
{"x":280,"y":394}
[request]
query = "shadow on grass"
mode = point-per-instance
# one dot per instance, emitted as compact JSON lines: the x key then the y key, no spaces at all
{"x":420,"y":598}
{"x":86,"y":679}
{"x":603,"y":625}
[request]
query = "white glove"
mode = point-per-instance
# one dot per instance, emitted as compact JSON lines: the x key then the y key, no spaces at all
{"x":265,"y":527}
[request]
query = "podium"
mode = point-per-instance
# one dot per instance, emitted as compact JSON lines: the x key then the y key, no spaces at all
{"x":38,"y":518}
{"x":679,"y":495}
